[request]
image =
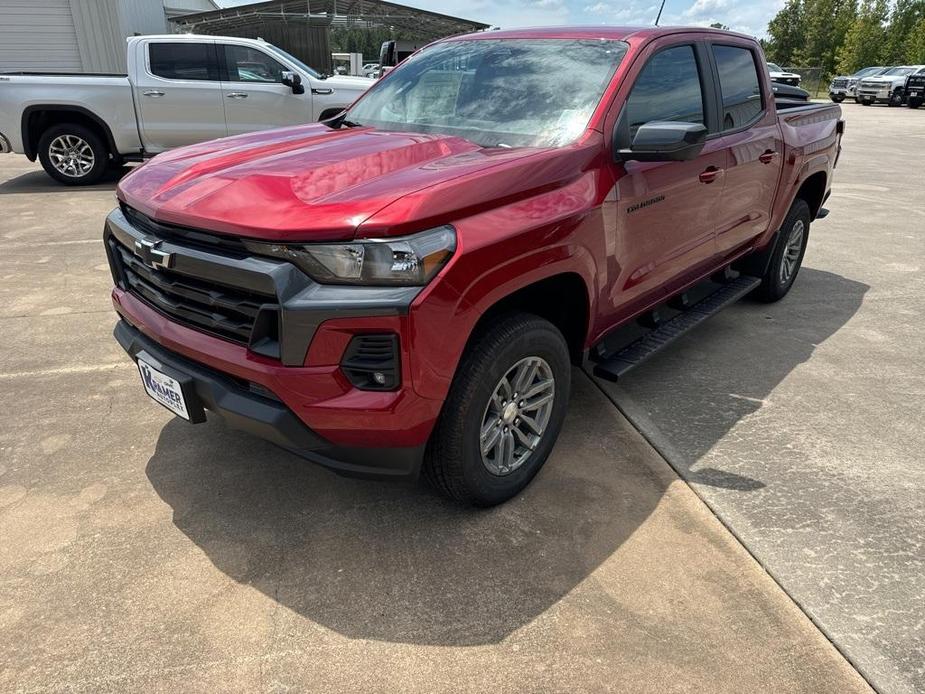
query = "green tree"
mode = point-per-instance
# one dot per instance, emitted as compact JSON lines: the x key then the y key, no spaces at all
{"x":785,"y":33}
{"x":825,"y":25}
{"x":866,"y":38}
{"x":903,"y":19}
{"x":915,"y":44}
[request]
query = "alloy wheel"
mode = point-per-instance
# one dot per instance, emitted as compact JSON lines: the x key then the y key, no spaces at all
{"x":517,"y":415}
{"x":792,"y":252}
{"x":71,"y":155}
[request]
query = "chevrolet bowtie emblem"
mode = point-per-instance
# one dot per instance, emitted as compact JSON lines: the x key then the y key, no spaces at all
{"x":151,"y":256}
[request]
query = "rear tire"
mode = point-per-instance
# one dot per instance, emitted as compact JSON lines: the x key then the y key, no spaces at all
{"x":461,"y":461}
{"x":787,"y":257}
{"x":73,"y":154}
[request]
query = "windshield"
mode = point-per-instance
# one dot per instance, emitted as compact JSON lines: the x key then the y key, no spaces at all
{"x":292,"y":59}
{"x":774,"y":68}
{"x":869,"y":72}
{"x":495,"y":92}
{"x":900,"y":71}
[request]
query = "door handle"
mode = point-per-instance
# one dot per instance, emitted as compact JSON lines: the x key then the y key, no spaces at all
{"x":153,"y":93}
{"x":767,"y":157}
{"x":322,"y":90}
{"x":710,"y":174}
{"x":236,"y":95}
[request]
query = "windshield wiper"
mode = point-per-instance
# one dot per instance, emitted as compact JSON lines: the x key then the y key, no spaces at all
{"x":341,"y":120}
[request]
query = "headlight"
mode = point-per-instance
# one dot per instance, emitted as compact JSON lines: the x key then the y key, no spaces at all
{"x":406,"y":260}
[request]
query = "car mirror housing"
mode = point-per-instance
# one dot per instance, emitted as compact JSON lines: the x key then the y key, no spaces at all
{"x":663,"y":141}
{"x":293,"y":80}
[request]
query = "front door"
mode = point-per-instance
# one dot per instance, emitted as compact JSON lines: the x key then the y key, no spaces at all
{"x":178,"y":93}
{"x":751,"y":137}
{"x":255,"y":98}
{"x":661,"y":214}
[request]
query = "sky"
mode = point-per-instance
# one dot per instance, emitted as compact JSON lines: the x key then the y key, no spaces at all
{"x":749,"y":17}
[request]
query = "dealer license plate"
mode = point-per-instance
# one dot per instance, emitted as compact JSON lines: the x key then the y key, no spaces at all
{"x":163,"y":389}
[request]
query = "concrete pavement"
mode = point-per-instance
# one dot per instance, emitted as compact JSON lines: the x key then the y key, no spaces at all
{"x":140,"y":553}
{"x":800,"y":423}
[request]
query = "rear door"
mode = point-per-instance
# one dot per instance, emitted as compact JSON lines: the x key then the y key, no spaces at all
{"x":254,"y":96}
{"x":178,"y":93}
{"x":751,"y":136}
{"x":662,"y":214}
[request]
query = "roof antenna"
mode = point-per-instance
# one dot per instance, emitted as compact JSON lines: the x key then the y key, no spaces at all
{"x":660,"y":8}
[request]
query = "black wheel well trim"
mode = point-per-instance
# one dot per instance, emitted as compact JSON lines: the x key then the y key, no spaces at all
{"x":813,"y":191}
{"x":553,"y":298}
{"x":31,"y":151}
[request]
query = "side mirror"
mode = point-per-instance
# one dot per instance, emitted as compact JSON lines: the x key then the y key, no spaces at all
{"x":664,"y":141}
{"x":293,"y":80}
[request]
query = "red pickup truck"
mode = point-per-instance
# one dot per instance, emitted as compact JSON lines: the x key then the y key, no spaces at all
{"x":404,"y":289}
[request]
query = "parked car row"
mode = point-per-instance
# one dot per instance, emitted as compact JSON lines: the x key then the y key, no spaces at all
{"x":894,"y":86}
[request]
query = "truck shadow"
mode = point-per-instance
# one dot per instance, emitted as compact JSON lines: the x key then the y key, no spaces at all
{"x":396,"y":563}
{"x":39,"y":182}
{"x":688,"y":398}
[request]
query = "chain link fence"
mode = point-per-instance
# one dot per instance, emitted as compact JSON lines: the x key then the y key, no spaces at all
{"x":813,"y":80}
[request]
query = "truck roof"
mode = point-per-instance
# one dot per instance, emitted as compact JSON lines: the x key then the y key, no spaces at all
{"x":618,"y":33}
{"x":188,"y":37}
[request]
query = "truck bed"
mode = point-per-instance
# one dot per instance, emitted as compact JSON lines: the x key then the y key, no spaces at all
{"x":25,"y":73}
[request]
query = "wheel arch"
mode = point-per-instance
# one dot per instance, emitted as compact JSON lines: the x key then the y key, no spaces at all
{"x":562,"y":299}
{"x":812,"y":190}
{"x":39,"y":117}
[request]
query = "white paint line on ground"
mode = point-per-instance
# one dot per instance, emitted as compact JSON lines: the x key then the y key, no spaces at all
{"x":89,"y":368}
{"x":33,"y":244}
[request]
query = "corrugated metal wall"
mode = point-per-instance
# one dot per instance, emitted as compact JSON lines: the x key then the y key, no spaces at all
{"x":38,"y":35}
{"x":309,"y":43}
{"x":74,"y":35}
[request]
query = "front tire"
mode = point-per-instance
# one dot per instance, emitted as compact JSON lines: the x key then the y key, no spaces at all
{"x":73,"y":154}
{"x":787,"y":257}
{"x":915,"y":103}
{"x":836,"y":98}
{"x":503,"y":413}
{"x":896,"y":98}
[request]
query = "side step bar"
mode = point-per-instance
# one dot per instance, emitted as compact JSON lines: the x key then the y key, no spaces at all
{"x":637,"y":352}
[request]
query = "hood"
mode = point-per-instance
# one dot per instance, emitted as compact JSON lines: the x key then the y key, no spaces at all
{"x":885,"y":79}
{"x":349,"y":82}
{"x":314,"y":183}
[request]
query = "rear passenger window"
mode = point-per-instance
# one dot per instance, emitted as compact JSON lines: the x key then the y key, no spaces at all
{"x":183,"y":61}
{"x":668,"y":88}
{"x":741,"y":89}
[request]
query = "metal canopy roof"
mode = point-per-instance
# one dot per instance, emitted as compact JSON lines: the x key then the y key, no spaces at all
{"x":409,"y":21}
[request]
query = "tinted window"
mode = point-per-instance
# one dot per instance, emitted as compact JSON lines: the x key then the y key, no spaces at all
{"x":667,"y":89}
{"x":183,"y":61}
{"x":250,"y":65}
{"x":738,"y":81}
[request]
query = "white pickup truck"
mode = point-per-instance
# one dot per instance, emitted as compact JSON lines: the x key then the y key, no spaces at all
{"x":179,"y":90}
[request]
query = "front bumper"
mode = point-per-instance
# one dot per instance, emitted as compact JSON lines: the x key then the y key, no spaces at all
{"x":186,"y":301}
{"x":870,"y":95}
{"x":263,"y":415}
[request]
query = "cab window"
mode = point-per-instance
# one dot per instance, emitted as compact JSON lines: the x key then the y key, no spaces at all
{"x":668,"y":88}
{"x":246,"y":64}
{"x":739,"y":85}
{"x":178,"y":60}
